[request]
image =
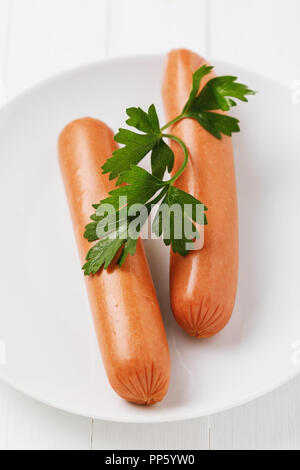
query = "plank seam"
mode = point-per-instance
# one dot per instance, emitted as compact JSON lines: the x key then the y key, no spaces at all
{"x":92,"y":434}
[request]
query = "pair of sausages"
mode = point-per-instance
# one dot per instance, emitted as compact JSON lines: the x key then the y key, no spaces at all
{"x":126,"y":312}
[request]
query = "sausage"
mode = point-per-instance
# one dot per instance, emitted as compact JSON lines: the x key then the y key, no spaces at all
{"x":126,"y":312}
{"x":203,"y":284}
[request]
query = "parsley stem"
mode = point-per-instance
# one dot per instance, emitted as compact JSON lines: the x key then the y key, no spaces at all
{"x":171,"y":123}
{"x":186,"y":157}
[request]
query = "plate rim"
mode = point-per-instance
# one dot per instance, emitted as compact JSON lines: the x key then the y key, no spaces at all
{"x":134,"y":57}
{"x":171,"y":419}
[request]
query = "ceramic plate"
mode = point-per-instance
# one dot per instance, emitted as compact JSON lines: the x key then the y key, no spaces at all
{"x":48,"y":348}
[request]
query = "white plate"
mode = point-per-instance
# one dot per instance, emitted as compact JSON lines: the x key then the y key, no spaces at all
{"x":47,"y":343}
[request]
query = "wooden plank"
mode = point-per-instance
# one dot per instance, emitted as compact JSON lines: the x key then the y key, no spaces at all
{"x":187,"y":435}
{"x":28,"y":425}
{"x":270,"y":423}
{"x":260,"y":35}
{"x":51,"y":36}
{"x":38,"y":39}
{"x":140,"y":27}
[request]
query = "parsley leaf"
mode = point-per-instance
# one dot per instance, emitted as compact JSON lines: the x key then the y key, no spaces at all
{"x":117,"y":231}
{"x":175,"y":217}
{"x":197,"y":78}
{"x":101,"y":254}
{"x":162,"y":159}
{"x":148,"y":123}
{"x":129,"y":249}
{"x":216,"y":95}
{"x":137,"y":146}
{"x":91,"y":229}
{"x":216,"y":124}
{"x":141,"y":187}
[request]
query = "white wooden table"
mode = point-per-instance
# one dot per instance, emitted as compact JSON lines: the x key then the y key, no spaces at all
{"x":39,"y":38}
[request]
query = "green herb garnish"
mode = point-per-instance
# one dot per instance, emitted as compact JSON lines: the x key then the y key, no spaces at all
{"x":118,"y":232}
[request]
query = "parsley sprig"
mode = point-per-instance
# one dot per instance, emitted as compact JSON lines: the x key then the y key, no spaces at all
{"x":117,"y":234}
{"x":137,"y":146}
{"x":216,"y":95}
